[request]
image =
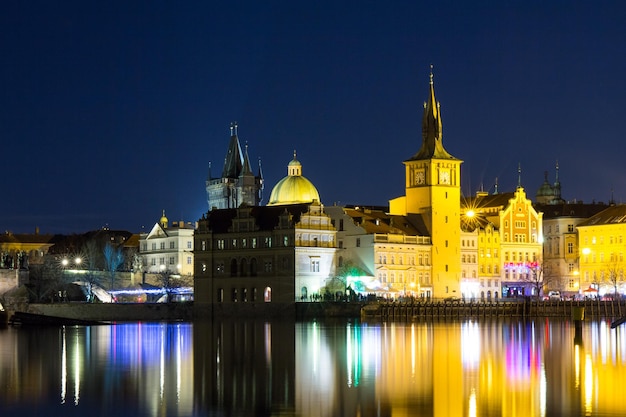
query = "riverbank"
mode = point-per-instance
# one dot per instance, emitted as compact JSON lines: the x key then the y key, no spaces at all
{"x":431,"y":310}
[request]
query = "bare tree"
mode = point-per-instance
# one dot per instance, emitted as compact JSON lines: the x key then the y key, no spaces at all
{"x":542,"y":275}
{"x":113,"y":259}
{"x":535,"y":277}
{"x":614,"y":274}
{"x":91,"y":276}
{"x":169,"y":281}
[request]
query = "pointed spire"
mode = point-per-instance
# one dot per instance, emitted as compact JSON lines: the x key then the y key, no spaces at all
{"x":495,"y":190}
{"x":246,"y":170}
{"x":519,"y":175}
{"x":209,"y":178}
{"x":557,"y":184}
{"x":260,"y":170}
{"x":233,"y":162}
{"x":432,"y":127}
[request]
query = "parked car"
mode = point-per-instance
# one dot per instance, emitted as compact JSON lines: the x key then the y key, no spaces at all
{"x":554,"y":295}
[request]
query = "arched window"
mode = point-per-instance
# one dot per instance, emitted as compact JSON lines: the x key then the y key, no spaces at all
{"x":303,"y":294}
{"x":233,"y":268}
{"x":243,"y":267}
{"x":267,"y":294}
{"x":253,"y":267}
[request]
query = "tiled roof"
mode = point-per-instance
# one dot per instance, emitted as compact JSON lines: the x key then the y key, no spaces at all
{"x":612,"y":215}
{"x":551,"y":211}
{"x":377,"y":221}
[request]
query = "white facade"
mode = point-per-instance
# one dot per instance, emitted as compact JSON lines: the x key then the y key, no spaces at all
{"x":168,"y":248}
{"x":385,"y":258}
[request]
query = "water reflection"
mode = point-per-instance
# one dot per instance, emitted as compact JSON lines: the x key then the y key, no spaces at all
{"x":314,"y":369}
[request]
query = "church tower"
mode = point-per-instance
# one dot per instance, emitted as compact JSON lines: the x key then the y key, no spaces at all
{"x":238,"y":184}
{"x":433,"y":190}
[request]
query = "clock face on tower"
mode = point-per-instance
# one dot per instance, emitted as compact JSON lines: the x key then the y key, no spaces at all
{"x":419,"y":177}
{"x":444,"y":176}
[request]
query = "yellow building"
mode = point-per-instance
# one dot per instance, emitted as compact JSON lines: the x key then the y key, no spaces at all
{"x":509,"y":242}
{"x":601,"y":245}
{"x":432,"y":189}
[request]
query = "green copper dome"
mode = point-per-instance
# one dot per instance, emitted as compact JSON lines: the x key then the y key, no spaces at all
{"x":294,"y":188}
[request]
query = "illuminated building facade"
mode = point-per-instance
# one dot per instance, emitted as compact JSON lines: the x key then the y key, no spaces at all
{"x":509,"y":242}
{"x":237,"y":185}
{"x":256,"y":257}
{"x":470,"y":284}
{"x":601,"y":251}
{"x":561,"y":266}
{"x":168,"y":248}
{"x":383,"y":254}
{"x":432,"y":190}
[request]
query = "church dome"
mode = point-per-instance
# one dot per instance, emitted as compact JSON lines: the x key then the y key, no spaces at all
{"x":294,"y":188}
{"x":546,"y":189}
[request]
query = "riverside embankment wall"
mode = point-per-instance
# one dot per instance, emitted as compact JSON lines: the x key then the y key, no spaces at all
{"x":593,"y":309}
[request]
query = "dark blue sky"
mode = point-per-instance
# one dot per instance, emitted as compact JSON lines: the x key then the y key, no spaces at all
{"x":111,"y":111}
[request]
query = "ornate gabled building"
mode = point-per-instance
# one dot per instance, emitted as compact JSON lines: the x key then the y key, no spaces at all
{"x":168,"y":248}
{"x":509,"y":242}
{"x":237,"y":185}
{"x":432,"y":190}
{"x":264,"y":258}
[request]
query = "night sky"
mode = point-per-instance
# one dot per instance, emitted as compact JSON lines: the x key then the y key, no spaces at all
{"x":111,"y":111}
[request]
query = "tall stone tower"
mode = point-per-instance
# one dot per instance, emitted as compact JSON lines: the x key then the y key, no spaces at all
{"x":433,"y":190}
{"x":238,"y":184}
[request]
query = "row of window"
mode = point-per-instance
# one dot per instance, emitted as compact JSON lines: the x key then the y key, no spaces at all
{"x":468,"y":259}
{"x":570,"y":228}
{"x":245,"y":267}
{"x":245,"y":295}
{"x":171,"y":261}
{"x":423,"y":278}
{"x":613,"y":257}
{"x":520,"y":257}
{"x":612,"y":240}
{"x":172,"y":245}
{"x":422,"y":259}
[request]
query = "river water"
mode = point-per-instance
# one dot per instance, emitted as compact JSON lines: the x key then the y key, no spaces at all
{"x":286,"y":368}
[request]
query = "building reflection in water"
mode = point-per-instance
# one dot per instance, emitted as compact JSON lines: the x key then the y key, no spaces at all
{"x":314,"y":369}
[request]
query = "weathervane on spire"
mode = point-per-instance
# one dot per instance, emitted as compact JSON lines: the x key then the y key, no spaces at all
{"x":519,"y":175}
{"x":431,"y":73}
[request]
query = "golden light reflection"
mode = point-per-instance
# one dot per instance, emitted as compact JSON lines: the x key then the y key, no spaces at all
{"x":472,"y":409}
{"x":588,"y":385}
{"x":577,"y":366}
